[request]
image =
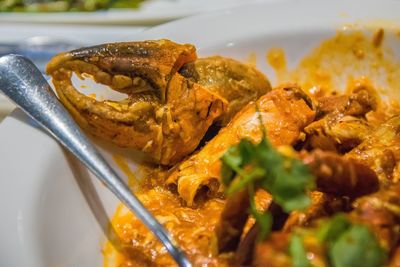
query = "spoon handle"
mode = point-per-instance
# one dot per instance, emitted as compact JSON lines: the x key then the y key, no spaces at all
{"x":24,"y":84}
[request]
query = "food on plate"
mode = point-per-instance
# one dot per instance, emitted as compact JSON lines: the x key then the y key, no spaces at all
{"x":64,"y":5}
{"x":302,"y":174}
{"x":366,"y":236}
{"x":381,"y":151}
{"x":285,"y":111}
{"x":236,"y":82}
{"x":166,"y":113}
{"x":342,"y":127}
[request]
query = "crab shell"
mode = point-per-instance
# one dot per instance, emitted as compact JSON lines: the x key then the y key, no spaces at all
{"x":166,"y":114}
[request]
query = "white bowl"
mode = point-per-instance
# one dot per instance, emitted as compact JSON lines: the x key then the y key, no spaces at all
{"x":53,"y":213}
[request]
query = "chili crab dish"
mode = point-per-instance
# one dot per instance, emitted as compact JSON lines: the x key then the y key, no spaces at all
{"x":242,"y":173}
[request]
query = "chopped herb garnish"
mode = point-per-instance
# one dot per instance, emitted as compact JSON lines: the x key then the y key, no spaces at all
{"x":65,"y":5}
{"x":260,"y":166}
{"x":356,"y":246}
{"x":264,"y":219}
{"x":346,"y":244}
{"x":298,"y":252}
{"x":330,"y":229}
{"x":349,"y":244}
{"x":286,"y":179}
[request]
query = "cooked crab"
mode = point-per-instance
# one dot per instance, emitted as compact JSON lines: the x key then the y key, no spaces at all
{"x":337,"y":179}
{"x":341,"y":123}
{"x":378,"y":211}
{"x":165,"y":113}
{"x":381,"y":151}
{"x":284,"y":112}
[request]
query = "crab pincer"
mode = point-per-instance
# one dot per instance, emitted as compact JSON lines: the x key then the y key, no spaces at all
{"x":152,"y":118}
{"x":164,"y":114}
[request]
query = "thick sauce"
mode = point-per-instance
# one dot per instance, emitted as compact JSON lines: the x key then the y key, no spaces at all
{"x":193,"y":229}
{"x":336,"y":64}
{"x":340,"y":60}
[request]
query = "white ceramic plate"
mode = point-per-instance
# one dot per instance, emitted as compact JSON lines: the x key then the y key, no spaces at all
{"x":53,"y":213}
{"x":151,"y":12}
{"x":79,"y":36}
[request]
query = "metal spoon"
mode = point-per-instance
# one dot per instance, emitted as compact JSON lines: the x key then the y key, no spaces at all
{"x":24,"y":84}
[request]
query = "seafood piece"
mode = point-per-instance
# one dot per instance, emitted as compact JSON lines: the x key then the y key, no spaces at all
{"x":395,"y":262}
{"x":337,"y":134}
{"x":381,"y":151}
{"x":340,"y":176}
{"x":342,"y":124}
{"x":237,"y":83}
{"x":284,"y":111}
{"x":243,"y":255}
{"x":322,"y":205}
{"x":335,"y":177}
{"x":274,"y":251}
{"x":233,"y":219}
{"x":142,"y":248}
{"x":165,"y":114}
{"x":361,"y":100}
{"x":379,"y":211}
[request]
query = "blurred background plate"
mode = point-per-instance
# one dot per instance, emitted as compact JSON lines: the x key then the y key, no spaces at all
{"x":84,"y":34}
{"x":150,"y":12}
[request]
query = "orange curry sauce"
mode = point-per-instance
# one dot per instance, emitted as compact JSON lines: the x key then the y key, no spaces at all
{"x":336,"y":64}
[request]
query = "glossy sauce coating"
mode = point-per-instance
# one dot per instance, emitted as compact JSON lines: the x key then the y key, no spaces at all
{"x":319,"y":73}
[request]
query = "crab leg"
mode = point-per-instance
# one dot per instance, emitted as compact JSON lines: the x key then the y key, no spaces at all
{"x":284,"y":112}
{"x":339,"y":175}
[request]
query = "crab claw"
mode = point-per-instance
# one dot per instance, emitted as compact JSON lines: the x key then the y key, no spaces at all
{"x":164,"y":114}
{"x":118,"y":64}
{"x":173,"y":98}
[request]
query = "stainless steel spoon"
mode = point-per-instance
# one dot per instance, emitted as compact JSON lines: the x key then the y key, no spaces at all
{"x":24,"y":84}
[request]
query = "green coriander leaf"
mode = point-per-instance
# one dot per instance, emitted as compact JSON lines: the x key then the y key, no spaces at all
{"x":331,"y":229}
{"x":232,"y":158}
{"x":231,"y":163}
{"x":289,"y":187}
{"x":261,"y":166}
{"x":124,"y":3}
{"x":268,"y":157}
{"x":247,"y":151}
{"x":356,"y":247}
{"x":298,"y":252}
{"x":227,"y":174}
{"x":300,"y":202}
{"x":245,"y":179}
{"x":260,"y":120}
{"x":263,"y":220}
